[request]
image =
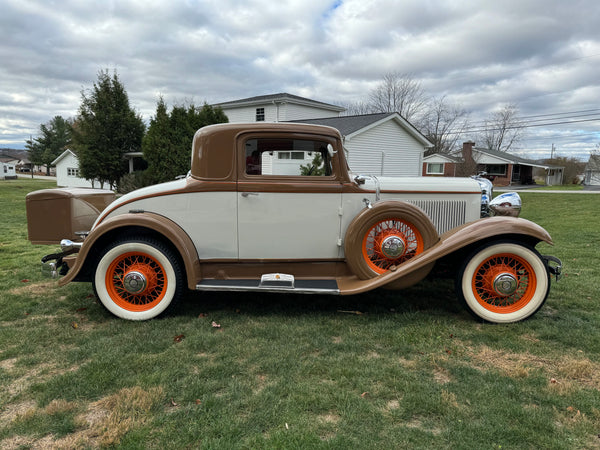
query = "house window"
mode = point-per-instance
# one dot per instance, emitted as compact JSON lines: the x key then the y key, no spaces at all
{"x":72,"y":172}
{"x":260,"y":114}
{"x":435,"y":168}
{"x":496,"y":169}
{"x":290,"y":155}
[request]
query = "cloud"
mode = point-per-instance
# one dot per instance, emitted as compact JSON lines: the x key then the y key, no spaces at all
{"x":540,"y":55}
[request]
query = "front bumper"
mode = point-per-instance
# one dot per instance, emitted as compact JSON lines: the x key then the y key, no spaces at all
{"x":54,"y":265}
{"x":553,"y":265}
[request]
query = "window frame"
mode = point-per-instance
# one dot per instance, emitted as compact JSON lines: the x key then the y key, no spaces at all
{"x":429,"y":172}
{"x":260,"y":114}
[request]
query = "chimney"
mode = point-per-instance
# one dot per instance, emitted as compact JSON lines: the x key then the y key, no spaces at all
{"x":467,"y":151}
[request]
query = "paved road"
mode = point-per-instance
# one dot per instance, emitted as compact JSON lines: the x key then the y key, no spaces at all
{"x":35,"y":177}
{"x":586,"y":190}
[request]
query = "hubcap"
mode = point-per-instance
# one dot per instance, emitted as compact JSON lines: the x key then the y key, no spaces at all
{"x":134,"y":282}
{"x":505,"y":284}
{"x":393,"y":247}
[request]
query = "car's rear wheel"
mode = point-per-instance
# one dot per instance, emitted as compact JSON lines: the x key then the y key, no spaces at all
{"x":503,"y":282}
{"x":386,"y":236}
{"x":138,"y":279}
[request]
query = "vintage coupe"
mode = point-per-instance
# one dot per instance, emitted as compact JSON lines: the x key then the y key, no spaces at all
{"x":274,"y":207}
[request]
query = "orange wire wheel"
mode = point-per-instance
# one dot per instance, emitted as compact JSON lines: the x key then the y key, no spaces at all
{"x":391,"y":242}
{"x":135,"y":281}
{"x":504,"y":283}
{"x":138,"y":278}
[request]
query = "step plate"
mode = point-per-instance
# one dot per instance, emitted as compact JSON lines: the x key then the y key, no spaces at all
{"x":300,"y":286}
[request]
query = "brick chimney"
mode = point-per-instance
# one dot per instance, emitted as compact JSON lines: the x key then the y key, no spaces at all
{"x":467,"y":151}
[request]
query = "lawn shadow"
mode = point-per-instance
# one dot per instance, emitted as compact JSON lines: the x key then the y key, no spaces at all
{"x":435,"y":297}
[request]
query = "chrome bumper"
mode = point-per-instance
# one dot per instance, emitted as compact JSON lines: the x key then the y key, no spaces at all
{"x":554,"y":265}
{"x":53,"y":264}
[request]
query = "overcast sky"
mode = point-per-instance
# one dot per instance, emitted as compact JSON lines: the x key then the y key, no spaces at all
{"x":542,"y":55}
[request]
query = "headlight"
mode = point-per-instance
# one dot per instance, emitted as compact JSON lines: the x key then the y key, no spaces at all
{"x":507,"y":204}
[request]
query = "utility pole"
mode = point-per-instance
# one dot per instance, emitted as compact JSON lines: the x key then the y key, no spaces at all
{"x":552,"y":152}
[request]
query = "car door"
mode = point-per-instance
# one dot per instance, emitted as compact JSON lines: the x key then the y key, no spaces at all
{"x":289,"y":199}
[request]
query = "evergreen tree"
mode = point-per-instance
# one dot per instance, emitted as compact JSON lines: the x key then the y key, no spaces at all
{"x":168,"y":142}
{"x":105,"y":129}
{"x":53,"y":139}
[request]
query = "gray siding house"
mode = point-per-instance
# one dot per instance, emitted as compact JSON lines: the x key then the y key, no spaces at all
{"x":377,"y":144}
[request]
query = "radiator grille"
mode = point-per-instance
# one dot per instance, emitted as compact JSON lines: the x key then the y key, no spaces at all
{"x":445,"y":214}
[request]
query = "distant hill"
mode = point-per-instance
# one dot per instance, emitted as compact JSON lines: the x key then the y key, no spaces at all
{"x":14,"y":154}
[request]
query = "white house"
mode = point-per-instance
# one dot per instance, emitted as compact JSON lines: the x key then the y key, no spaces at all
{"x":277,"y":108}
{"x":592,"y":171}
{"x":382,"y":144}
{"x":67,"y":172}
{"x":7,"y":171}
{"x":377,"y":144}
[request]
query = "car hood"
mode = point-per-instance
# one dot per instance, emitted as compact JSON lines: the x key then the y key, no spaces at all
{"x":422,"y":184}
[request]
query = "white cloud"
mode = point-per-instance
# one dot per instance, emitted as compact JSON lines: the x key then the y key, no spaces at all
{"x":542,"y":55}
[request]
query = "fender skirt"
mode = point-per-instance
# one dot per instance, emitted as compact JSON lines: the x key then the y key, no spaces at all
{"x":154,"y":222}
{"x":453,"y":240}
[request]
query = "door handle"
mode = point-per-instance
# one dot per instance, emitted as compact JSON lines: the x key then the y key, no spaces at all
{"x":246,"y":194}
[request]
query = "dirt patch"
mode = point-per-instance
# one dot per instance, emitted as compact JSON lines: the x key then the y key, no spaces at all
{"x":15,"y":411}
{"x":39,"y":373}
{"x":329,"y":418}
{"x":103,"y":424}
{"x":417,"y":422}
{"x":566,"y":371}
{"x":392,"y":405}
{"x":34,"y":289}
{"x":441,"y":375}
{"x":8,"y":364}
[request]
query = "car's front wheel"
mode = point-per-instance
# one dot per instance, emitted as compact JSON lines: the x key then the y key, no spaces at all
{"x":503,"y":282}
{"x":138,"y":278}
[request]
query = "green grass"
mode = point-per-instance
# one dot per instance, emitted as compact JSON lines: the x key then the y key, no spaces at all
{"x":413,"y":370}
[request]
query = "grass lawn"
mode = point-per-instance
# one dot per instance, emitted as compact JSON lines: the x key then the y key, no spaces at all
{"x":403,"y":369}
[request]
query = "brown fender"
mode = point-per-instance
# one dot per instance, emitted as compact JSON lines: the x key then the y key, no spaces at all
{"x":450,"y":242}
{"x":151,"y":221}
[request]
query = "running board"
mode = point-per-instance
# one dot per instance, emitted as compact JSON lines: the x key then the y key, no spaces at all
{"x":272,"y":282}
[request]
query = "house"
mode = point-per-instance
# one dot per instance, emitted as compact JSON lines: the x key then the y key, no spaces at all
{"x":442,"y":165}
{"x":68,"y":174}
{"x":16,"y":158}
{"x":504,"y":169}
{"x":592,"y":171}
{"x":377,"y":144}
{"x":7,"y":171}
{"x":382,"y":144}
{"x":277,"y":108}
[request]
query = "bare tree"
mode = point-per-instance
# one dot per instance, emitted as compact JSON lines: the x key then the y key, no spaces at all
{"x":356,"y":108}
{"x":443,"y":124}
{"x":503,"y":129}
{"x":401,"y":93}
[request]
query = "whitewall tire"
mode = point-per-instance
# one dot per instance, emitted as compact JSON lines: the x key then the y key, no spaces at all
{"x":138,"y":279}
{"x":503,"y":282}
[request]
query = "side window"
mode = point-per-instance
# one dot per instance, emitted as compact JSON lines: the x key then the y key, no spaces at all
{"x":287,"y":157}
